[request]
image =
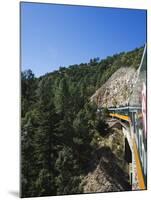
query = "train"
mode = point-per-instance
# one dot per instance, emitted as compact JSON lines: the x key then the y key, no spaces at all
{"x":135,"y":116}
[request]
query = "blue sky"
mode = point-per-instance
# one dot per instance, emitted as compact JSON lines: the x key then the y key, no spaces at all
{"x":58,"y":35}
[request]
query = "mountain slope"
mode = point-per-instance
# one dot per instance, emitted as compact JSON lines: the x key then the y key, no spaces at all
{"x":59,"y":125}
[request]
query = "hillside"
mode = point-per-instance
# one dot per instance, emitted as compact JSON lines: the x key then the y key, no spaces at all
{"x":60,"y":128}
{"x":108,"y":170}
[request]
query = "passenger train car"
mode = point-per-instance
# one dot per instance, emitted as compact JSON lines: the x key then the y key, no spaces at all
{"x":134,"y":115}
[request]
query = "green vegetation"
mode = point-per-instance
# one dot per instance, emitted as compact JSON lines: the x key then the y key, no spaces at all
{"x":59,"y":124}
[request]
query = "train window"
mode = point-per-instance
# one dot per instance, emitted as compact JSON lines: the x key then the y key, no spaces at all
{"x":137,"y":137}
{"x":135,"y":123}
{"x":144,"y":160}
{"x":141,"y":144}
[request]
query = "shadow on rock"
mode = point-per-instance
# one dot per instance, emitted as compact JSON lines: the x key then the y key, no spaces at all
{"x":106,"y":173}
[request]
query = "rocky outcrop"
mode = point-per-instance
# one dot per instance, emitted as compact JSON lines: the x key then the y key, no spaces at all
{"x":107,"y":176}
{"x":117,"y":89}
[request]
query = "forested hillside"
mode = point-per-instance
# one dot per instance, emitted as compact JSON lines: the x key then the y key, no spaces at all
{"x":59,"y":124}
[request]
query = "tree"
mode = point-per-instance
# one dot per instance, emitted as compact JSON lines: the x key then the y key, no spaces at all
{"x":28,"y":160}
{"x":102,"y":127}
{"x":62,"y":96}
{"x":28,"y":90}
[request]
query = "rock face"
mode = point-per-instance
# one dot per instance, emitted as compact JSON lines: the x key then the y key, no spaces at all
{"x":116,"y":91}
{"x":107,"y":170}
{"x":107,"y":176}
